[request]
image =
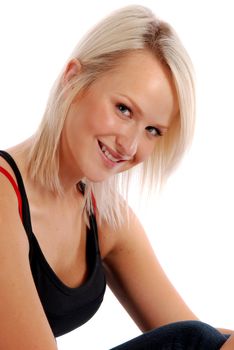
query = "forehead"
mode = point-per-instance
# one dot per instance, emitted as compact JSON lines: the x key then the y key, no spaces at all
{"x":142,"y":77}
{"x":138,"y":64}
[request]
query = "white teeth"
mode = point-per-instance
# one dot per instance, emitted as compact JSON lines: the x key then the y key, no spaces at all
{"x":108,"y":155}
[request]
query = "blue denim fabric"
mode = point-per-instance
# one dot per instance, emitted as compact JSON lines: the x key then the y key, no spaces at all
{"x":185,"y":335}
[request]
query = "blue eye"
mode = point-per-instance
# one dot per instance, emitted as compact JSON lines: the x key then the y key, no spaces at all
{"x":154,"y":131}
{"x":124,"y":109}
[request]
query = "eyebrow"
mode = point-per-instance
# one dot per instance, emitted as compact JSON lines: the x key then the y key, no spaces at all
{"x":137,"y":107}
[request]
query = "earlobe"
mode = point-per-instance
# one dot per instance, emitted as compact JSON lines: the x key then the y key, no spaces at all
{"x":73,"y":68}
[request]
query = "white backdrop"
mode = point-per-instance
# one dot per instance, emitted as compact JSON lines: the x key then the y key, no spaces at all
{"x":191,"y":224}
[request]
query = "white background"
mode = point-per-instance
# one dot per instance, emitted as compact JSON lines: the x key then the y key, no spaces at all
{"x":191,"y":224}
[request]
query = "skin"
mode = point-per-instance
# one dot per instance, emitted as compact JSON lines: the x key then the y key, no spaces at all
{"x":229,"y":344}
{"x":108,"y":113}
{"x":59,"y":224}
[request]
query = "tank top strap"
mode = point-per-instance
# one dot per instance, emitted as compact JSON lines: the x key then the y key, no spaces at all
{"x":15,"y":187}
{"x":24,"y":206}
{"x":21,"y":191}
{"x":92,"y":216}
{"x":94,"y":229}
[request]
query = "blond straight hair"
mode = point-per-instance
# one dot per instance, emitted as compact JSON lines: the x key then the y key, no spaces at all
{"x":125,"y":30}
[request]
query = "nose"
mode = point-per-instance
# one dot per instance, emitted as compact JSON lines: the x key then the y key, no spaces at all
{"x":127,"y":143}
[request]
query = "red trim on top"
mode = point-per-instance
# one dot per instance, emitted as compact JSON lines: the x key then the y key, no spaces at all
{"x":15,"y":186}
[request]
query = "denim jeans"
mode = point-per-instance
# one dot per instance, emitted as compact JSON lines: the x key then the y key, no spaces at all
{"x":185,"y":335}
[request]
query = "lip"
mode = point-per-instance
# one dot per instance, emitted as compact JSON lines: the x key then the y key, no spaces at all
{"x":106,"y":160}
{"x":113,"y":153}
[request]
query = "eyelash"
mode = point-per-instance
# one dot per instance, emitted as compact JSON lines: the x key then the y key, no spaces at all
{"x":158,"y":131}
{"x":120,"y":105}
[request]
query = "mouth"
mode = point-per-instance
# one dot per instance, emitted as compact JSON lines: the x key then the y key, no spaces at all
{"x":109,"y":156}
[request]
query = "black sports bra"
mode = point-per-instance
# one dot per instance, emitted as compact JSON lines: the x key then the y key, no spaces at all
{"x":66,"y":308}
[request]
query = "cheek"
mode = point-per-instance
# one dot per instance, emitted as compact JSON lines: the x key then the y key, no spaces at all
{"x":102,"y":120}
{"x":92,"y":118}
{"x":145,"y":150}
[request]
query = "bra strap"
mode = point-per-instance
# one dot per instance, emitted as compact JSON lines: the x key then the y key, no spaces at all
{"x":25,"y":206}
{"x":12,"y":181}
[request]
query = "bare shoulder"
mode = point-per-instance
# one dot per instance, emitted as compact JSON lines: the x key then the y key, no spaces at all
{"x":9,"y":213}
{"x":127,"y":247}
{"x":114,"y":239}
{"x":110,"y":237}
{"x":4,"y":164}
{"x":19,"y":302}
{"x":136,"y":277}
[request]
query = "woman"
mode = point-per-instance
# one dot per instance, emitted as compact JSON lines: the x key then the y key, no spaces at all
{"x":124,"y":98}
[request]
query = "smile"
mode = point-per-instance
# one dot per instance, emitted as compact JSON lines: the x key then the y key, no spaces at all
{"x":110,"y":157}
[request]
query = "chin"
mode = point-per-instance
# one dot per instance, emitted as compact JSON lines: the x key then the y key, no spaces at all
{"x":96,"y":179}
{"x":101,"y":176}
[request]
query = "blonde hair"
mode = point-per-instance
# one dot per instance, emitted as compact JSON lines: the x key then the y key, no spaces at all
{"x":128,"y":29}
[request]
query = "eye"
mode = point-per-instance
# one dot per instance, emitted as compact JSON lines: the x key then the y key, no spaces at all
{"x":154,"y":131}
{"x":126,"y":111}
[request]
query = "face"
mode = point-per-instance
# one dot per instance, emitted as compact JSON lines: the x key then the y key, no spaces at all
{"x":118,"y":121}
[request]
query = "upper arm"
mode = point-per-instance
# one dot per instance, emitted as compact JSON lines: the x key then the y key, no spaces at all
{"x":229,"y":344}
{"x":23,"y":322}
{"x":136,"y":277}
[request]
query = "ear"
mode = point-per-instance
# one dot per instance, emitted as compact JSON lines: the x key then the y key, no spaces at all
{"x":72,"y":69}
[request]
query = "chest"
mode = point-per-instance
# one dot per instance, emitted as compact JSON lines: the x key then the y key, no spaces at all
{"x":62,"y":237}
{"x":75,"y":260}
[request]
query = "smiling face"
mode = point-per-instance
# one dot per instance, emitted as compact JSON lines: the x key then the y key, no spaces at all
{"x":116,"y":123}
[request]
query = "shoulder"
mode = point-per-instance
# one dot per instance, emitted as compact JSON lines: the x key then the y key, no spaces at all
{"x":7,"y":193}
{"x":18,"y":295}
{"x":10,"y":220}
{"x":112,"y":238}
{"x":4,"y":164}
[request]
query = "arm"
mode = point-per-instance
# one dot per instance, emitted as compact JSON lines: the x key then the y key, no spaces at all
{"x":229,"y":344}
{"x":137,"y":279}
{"x":23,"y":322}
